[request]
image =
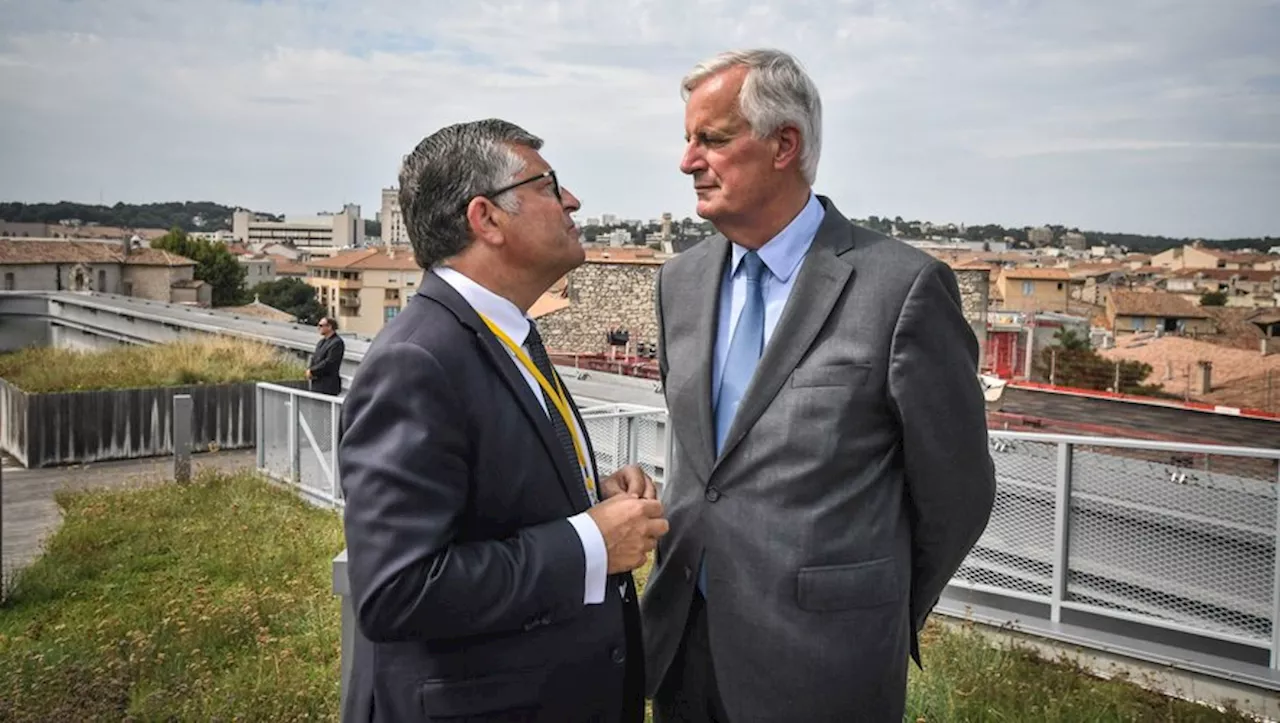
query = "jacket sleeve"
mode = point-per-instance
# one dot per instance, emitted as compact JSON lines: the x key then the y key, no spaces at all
{"x":405,"y":461}
{"x":933,"y":381}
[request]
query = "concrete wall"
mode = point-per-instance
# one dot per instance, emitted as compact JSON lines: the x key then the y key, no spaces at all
{"x":604,"y":294}
{"x":79,"y":427}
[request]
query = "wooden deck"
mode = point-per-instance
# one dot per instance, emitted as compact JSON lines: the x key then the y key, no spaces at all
{"x":31,"y":515}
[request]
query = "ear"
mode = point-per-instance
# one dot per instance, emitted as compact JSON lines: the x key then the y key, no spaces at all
{"x":485,"y":221}
{"x":788,"y":147}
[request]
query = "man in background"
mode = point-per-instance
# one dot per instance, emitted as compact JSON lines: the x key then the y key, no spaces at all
{"x":326,"y":361}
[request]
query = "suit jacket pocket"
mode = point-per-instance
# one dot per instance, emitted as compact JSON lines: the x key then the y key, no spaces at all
{"x":846,"y":587}
{"x":517,"y":689}
{"x":831,"y":375}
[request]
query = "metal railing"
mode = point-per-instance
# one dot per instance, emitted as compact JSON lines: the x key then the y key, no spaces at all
{"x":1176,"y":541}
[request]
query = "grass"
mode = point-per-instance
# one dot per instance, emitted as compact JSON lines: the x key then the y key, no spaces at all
{"x":211,"y":601}
{"x":208,"y":360}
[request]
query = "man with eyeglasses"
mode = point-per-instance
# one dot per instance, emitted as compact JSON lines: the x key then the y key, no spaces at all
{"x":489,"y":565}
{"x":326,"y":361}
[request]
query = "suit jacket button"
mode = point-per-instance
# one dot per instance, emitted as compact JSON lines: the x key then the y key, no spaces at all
{"x":618,"y":655}
{"x":688,"y":573}
{"x":713,"y":494}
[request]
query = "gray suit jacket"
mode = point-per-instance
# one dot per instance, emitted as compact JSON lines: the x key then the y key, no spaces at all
{"x":852,"y":484}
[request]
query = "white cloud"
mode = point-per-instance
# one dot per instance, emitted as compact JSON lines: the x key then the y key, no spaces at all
{"x":1158,"y":116}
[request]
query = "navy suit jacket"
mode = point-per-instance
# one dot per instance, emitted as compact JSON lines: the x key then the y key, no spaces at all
{"x":466,"y":577}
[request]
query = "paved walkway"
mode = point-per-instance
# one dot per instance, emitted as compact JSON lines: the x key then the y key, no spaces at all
{"x":31,"y":515}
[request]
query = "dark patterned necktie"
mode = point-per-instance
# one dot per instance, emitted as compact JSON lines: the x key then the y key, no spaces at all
{"x":538,"y":353}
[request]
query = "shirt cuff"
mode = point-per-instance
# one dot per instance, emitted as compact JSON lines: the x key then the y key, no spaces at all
{"x":597,"y":557}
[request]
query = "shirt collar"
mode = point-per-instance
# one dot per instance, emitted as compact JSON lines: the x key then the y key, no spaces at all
{"x":504,"y":314}
{"x":783,"y":253}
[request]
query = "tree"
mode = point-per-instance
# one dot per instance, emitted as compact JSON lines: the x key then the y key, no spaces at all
{"x":372,"y":229}
{"x":1213,"y":298}
{"x":293,"y":296}
{"x":214,"y":264}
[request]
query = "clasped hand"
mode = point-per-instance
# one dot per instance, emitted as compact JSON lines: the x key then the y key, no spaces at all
{"x":629,"y":518}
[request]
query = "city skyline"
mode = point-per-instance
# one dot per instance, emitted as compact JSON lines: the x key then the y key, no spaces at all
{"x":1158,"y":118}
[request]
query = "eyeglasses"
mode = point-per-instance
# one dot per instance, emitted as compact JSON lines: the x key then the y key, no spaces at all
{"x":555,"y":188}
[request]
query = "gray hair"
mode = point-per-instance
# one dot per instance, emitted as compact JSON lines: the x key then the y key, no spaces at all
{"x":776,"y":92}
{"x":448,"y":169}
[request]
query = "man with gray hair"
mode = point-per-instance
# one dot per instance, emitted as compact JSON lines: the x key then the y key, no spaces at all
{"x":829,"y":467}
{"x":489,"y":570}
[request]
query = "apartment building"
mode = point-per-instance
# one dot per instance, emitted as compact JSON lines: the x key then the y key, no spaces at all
{"x":339,"y":230}
{"x":365,"y":289}
{"x":391,"y":218}
{"x":1035,"y":289}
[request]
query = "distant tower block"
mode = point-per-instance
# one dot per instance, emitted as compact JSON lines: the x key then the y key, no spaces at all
{"x":666,"y":233}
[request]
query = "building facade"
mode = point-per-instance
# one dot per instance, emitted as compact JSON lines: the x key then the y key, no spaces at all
{"x":105,"y":267}
{"x":339,"y":230}
{"x":363,"y":290}
{"x":392,"y":220}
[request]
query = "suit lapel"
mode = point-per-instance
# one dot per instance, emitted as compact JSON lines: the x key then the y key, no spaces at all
{"x":433,"y":287}
{"x":822,"y":278}
{"x":694,"y":292}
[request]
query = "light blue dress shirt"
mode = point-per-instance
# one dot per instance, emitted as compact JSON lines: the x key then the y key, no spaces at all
{"x":781,"y":255}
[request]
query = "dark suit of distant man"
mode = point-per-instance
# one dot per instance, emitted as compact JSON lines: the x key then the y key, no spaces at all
{"x":326,"y":361}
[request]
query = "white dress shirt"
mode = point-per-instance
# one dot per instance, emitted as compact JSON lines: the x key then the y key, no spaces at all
{"x":508,"y":317}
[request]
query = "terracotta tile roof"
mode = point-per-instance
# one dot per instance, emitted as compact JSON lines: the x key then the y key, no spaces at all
{"x":546,"y":304}
{"x":29,"y":251}
{"x":374,"y":259}
{"x":1155,"y":303}
{"x":1038,"y":274}
{"x":286,"y":266}
{"x":1227,"y":274}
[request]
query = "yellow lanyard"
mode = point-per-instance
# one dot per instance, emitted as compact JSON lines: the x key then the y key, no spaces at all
{"x":557,"y":396}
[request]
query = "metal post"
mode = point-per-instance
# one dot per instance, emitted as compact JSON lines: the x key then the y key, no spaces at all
{"x":1053,"y":367}
{"x":182,"y":437}
{"x":1061,"y":531}
{"x":260,"y":420}
{"x":1275,"y":585}
{"x":335,"y":418}
{"x":1116,"y":388}
{"x":4,"y":571}
{"x":295,"y":461}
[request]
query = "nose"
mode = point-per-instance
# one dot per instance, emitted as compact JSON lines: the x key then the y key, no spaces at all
{"x":569,"y":201}
{"x":692,"y":160}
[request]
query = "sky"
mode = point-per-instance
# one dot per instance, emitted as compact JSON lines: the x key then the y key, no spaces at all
{"x":1139,"y":116}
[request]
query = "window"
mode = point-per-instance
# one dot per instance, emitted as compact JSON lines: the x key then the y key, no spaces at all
{"x":9,"y":284}
{"x":102,"y":281}
{"x":1028,"y":288}
{"x":1139,"y":323}
{"x":1059,"y":286}
{"x":389,"y":313}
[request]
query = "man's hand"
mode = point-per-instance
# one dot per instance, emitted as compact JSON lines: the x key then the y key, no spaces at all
{"x":630,"y":480}
{"x":308,"y":374}
{"x":630,"y":527}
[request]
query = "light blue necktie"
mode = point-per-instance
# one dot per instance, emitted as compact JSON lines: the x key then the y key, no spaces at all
{"x":744,"y":353}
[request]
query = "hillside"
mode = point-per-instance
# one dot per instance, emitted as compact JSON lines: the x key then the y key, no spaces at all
{"x":187,"y":215}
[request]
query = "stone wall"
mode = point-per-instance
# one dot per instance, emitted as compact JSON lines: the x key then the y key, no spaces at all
{"x":607,"y":293}
{"x":975,"y":291}
{"x":604,"y":294}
